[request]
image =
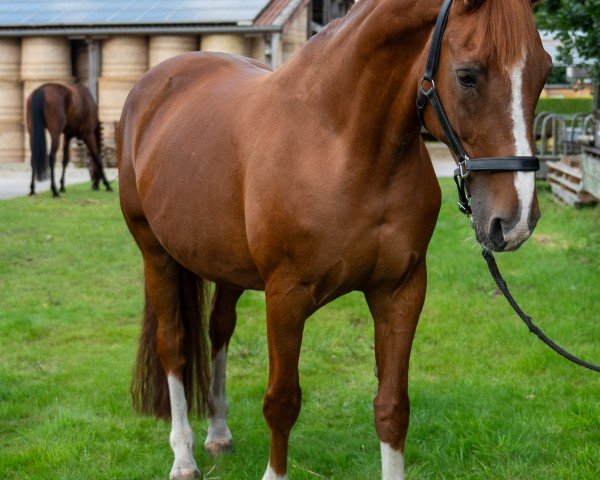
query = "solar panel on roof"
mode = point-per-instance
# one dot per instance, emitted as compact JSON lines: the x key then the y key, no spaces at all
{"x":29,"y":13}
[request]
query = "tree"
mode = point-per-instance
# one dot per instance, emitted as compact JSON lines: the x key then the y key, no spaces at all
{"x":576,"y":23}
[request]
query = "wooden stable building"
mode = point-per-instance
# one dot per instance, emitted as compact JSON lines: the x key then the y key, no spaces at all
{"x":109,"y":44}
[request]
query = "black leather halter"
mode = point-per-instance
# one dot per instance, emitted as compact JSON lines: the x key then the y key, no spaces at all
{"x":428,"y":93}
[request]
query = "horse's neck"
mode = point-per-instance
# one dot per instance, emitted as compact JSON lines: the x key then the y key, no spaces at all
{"x":364,"y":70}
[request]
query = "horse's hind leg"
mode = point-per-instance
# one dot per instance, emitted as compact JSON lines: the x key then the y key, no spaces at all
{"x":222,"y":324}
{"x":163,"y":287}
{"x":395,"y":312}
{"x":65,"y":161}
{"x":52,"y":160}
{"x":172,"y":364}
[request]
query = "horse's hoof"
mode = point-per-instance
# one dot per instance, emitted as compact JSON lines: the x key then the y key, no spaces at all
{"x":63,"y":189}
{"x":219,"y":447}
{"x":32,"y":194}
{"x":109,"y":188}
{"x":95,"y":187}
{"x":56,"y":195}
{"x":185,"y":474}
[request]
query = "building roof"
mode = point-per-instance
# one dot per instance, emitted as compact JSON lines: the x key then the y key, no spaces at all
{"x":38,"y":13}
{"x":278,"y":11}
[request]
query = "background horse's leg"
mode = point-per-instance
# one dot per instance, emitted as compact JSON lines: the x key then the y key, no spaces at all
{"x":90,"y":142}
{"x":65,"y":161}
{"x":32,"y":186}
{"x":287,"y":310}
{"x":395,"y":312}
{"x":55,"y":136}
{"x":163,"y":286}
{"x":222,"y":324}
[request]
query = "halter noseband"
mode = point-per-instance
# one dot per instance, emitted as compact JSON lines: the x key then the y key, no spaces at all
{"x":428,"y":93}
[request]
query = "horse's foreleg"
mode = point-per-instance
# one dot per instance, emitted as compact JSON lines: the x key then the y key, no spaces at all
{"x":222,"y":324}
{"x":90,"y":142}
{"x":52,"y":160}
{"x":395,"y":312}
{"x":287,"y":310}
{"x":65,"y":162}
{"x":163,"y":286}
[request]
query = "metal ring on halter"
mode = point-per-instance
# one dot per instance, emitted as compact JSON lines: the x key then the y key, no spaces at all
{"x":428,"y":80}
{"x":462,"y":167}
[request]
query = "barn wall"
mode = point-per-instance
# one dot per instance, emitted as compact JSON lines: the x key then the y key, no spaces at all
{"x":230,"y":43}
{"x":31,"y":61}
{"x":11,"y":101}
{"x":124,"y":61}
{"x":295,"y":33}
{"x":163,"y":47}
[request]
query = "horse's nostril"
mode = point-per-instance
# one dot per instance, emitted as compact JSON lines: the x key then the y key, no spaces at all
{"x":534,"y":218}
{"x":497,"y":233}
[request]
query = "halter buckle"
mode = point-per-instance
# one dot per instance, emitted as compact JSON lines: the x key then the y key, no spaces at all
{"x":463,"y":170}
{"x":427,"y":82}
{"x":464,"y":209}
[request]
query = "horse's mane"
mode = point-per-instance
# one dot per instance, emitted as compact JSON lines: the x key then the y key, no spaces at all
{"x":504,"y":29}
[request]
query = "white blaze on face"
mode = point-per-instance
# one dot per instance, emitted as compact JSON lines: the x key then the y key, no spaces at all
{"x":524,"y":181}
{"x":392,"y":463}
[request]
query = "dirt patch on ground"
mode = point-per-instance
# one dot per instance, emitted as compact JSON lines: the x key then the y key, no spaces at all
{"x":550,"y":241}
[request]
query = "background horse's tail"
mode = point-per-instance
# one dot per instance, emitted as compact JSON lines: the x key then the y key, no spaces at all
{"x":149,"y":388}
{"x":39,"y":156}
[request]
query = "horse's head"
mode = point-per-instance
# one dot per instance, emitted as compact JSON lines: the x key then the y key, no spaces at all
{"x":491,"y":72}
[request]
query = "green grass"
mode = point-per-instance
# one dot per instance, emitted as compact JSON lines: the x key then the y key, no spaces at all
{"x":489,"y":401}
{"x":565,"y":106}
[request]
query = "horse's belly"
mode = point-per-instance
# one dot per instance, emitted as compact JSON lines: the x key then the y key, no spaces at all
{"x":195,"y":212}
{"x":215,"y":254}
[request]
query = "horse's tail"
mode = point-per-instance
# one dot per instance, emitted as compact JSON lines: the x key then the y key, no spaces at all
{"x":39,"y":156}
{"x":149,"y":388}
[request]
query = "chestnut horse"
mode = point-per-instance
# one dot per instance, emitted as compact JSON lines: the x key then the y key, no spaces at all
{"x":309,"y":182}
{"x":68,"y":109}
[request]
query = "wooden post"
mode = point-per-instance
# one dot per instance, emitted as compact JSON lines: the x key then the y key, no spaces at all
{"x":276,"y":54}
{"x":93,"y":47}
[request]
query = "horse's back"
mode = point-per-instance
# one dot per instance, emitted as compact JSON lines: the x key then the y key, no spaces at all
{"x":55,"y":100}
{"x":190,"y":87}
{"x":178,"y":167}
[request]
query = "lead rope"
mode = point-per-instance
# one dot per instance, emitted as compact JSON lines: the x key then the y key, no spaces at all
{"x":497,"y":276}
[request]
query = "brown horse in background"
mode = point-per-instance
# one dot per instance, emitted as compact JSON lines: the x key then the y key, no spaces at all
{"x":309,"y":182}
{"x":68,"y":109}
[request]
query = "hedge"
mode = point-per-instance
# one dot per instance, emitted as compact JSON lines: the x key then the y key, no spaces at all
{"x":565,"y":106}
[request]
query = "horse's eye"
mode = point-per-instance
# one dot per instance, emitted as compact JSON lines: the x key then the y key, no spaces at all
{"x":466,"y":78}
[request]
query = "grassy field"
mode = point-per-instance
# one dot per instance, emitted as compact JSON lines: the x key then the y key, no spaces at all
{"x":489,"y":401}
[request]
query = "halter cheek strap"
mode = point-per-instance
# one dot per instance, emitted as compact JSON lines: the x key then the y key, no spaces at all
{"x":428,"y":94}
